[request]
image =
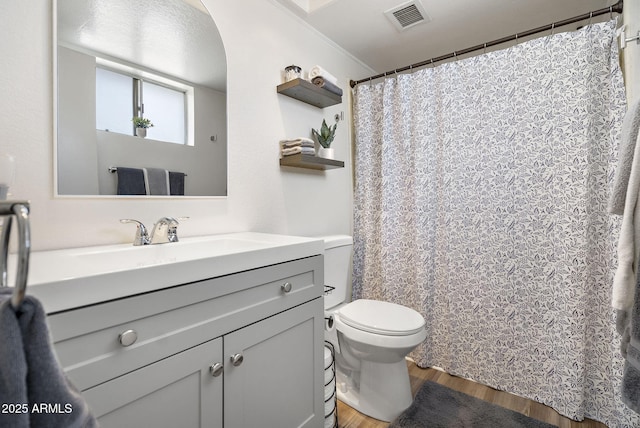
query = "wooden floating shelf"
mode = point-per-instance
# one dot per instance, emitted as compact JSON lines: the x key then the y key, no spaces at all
{"x":310,"y":162}
{"x":309,"y":93}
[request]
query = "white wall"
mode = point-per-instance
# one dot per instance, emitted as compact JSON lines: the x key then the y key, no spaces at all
{"x":631,"y":18}
{"x":211,"y":121}
{"x":260,"y":38}
{"x":77,"y":150}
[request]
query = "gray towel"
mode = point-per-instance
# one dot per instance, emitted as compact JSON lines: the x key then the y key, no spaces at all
{"x":324,"y":83}
{"x":130,"y":181}
{"x":157,"y":181}
{"x":631,"y":382}
{"x":628,"y":324}
{"x":631,"y":374}
{"x":30,"y":375}
{"x":623,"y":327}
{"x":176,"y":183}
{"x":630,"y":127}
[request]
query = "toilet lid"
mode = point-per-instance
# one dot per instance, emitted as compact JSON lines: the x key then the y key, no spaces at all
{"x":382,"y":318}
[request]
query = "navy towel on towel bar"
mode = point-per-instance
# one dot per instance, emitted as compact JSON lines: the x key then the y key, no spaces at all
{"x":131,"y":181}
{"x":176,"y":183}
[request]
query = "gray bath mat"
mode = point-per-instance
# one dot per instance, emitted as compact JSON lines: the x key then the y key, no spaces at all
{"x":437,"y":406}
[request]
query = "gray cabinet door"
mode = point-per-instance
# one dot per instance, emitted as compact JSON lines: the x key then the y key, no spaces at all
{"x":178,"y":391}
{"x":279,"y":383}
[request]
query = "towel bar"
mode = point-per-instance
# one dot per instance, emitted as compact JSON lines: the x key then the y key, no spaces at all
{"x":114,"y":169}
{"x":19,"y":209}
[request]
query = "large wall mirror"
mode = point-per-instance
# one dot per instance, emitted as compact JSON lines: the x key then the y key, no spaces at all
{"x":162,"y":60}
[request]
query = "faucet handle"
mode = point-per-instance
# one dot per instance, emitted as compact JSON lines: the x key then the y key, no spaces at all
{"x":142,"y":236}
{"x":172,"y":232}
{"x":173,"y":228}
{"x":165,"y":230}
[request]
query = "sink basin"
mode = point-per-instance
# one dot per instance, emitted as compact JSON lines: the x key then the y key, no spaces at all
{"x":120,"y":257}
{"x":70,"y":278}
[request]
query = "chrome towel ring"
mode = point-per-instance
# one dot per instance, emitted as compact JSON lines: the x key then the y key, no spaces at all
{"x":19,"y":210}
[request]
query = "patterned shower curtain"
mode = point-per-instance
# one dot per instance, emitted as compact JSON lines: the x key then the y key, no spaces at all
{"x":480,"y":201}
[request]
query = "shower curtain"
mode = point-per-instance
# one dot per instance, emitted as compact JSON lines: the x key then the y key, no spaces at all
{"x":480,"y":201}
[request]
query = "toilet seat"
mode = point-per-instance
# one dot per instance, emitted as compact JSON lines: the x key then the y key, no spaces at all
{"x":388,"y":342}
{"x":382,"y":318}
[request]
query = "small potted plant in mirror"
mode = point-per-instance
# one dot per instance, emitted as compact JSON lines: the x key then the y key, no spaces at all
{"x":141,"y":124}
{"x":325,"y":138}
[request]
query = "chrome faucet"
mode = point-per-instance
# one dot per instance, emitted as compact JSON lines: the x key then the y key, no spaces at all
{"x":142,"y":237}
{"x":165,"y":230}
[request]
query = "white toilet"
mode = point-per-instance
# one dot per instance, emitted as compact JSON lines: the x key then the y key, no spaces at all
{"x":371,"y":339}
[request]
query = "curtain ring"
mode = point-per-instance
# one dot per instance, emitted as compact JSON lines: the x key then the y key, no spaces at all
{"x":590,"y":17}
{"x":432,"y":66}
{"x":485,"y":48}
{"x":553,"y":27}
{"x":610,"y":12}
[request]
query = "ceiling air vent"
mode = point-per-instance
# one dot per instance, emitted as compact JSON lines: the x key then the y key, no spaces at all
{"x":408,"y":14}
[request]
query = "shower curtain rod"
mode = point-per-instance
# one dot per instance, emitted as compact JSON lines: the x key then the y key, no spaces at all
{"x":614,"y":8}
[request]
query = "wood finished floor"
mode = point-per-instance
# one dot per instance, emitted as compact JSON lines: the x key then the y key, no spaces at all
{"x":350,"y":418}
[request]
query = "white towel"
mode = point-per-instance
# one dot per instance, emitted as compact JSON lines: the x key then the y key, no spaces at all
{"x":296,"y":150}
{"x":318,"y":71}
{"x":299,"y":139}
{"x":624,"y":281}
{"x":626,"y":158}
{"x":303,"y":142}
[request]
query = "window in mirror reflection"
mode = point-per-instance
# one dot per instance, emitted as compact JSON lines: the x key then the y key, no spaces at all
{"x":165,"y":106}
{"x":120,"y":97}
{"x":114,"y":106}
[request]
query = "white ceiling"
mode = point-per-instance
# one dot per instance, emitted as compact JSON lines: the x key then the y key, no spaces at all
{"x":177,"y":38}
{"x":361,"y":28}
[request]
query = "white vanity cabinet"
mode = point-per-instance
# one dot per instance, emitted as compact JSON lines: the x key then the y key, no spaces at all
{"x":237,"y":351}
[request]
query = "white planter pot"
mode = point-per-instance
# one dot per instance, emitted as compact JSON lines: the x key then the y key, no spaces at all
{"x":141,"y":132}
{"x":326,"y":153}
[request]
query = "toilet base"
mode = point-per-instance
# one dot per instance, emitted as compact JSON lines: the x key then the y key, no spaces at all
{"x":380,"y":390}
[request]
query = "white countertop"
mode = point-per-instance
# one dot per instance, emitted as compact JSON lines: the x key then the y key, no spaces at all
{"x":71,"y":278}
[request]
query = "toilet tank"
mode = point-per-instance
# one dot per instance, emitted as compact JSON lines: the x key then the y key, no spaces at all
{"x":337,"y":269}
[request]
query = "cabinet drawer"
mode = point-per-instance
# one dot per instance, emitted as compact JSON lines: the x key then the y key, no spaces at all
{"x":169,"y":321}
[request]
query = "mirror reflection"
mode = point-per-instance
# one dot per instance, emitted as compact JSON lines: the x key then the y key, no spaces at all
{"x":141,"y":99}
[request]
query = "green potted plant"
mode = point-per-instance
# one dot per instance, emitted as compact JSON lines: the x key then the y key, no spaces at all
{"x":325,"y":138}
{"x":141,"y":124}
